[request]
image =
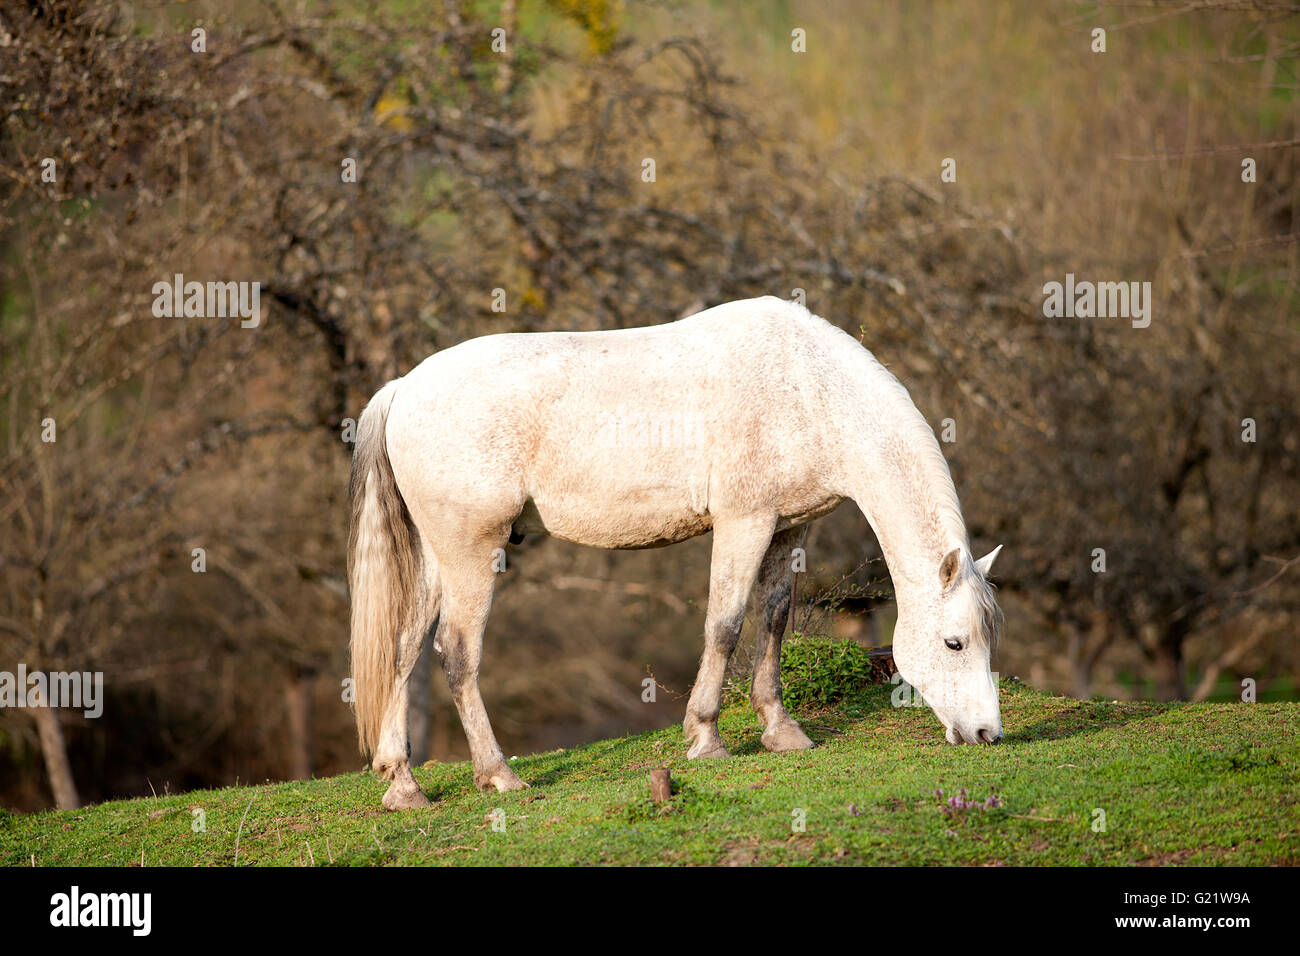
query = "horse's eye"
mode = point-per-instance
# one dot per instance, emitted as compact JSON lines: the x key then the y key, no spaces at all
{"x":953,"y":643}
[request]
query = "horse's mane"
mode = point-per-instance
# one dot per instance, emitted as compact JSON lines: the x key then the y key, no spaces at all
{"x":920,"y":453}
{"x":990,"y":615}
{"x":916,"y":444}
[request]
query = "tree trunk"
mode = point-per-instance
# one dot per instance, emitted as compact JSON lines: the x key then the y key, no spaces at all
{"x":1171,"y":679}
{"x":1086,"y":648}
{"x":419,"y":704}
{"x":1080,"y":672}
{"x":299,"y":700}
{"x":440,"y":735}
{"x":54,"y":748}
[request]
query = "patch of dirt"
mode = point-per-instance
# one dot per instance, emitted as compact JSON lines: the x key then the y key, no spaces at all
{"x":741,"y":855}
{"x":1167,"y":859}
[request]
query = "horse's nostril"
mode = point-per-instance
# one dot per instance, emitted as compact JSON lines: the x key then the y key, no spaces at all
{"x":988,"y":738}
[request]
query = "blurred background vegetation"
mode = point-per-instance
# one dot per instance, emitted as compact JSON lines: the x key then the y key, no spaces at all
{"x":521,"y":170}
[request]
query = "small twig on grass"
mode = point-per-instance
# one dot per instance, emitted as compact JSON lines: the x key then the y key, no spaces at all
{"x":240,"y":831}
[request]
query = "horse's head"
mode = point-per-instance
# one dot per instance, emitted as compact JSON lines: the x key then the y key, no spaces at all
{"x":942,"y":648}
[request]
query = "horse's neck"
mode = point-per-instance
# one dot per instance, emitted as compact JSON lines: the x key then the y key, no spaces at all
{"x":901,"y":482}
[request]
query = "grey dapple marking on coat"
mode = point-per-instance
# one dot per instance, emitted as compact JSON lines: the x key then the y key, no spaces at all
{"x":749,"y":419}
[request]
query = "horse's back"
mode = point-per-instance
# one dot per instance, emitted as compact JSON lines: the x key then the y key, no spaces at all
{"x":620,"y":438}
{"x":766,"y":325}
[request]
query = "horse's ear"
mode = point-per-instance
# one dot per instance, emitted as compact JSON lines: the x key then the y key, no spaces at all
{"x":949,"y":568}
{"x":985,"y":564}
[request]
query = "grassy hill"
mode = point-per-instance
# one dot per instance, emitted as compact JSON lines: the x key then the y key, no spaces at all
{"x":1178,"y":783}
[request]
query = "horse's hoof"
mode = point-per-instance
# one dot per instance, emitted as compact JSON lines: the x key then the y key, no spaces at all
{"x":701,"y":753}
{"x":404,"y":798}
{"x":785,"y":736}
{"x":503,"y":779}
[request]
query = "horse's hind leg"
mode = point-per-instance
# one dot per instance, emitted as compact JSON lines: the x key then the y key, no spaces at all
{"x":772,"y":607}
{"x":393,"y":755}
{"x":738,"y":548}
{"x":467,"y":581}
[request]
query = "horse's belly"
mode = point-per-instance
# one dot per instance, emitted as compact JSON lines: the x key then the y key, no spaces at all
{"x":630,"y":521}
{"x":619,"y":522}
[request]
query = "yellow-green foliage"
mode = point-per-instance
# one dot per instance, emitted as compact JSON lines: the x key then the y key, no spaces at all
{"x":599,"y":20}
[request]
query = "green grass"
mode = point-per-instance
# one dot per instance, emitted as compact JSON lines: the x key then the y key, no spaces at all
{"x":1186,"y":784}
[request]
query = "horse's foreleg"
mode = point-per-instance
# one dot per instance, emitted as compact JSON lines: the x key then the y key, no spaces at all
{"x":772,"y":599}
{"x":738,"y":549}
{"x":467,"y":599}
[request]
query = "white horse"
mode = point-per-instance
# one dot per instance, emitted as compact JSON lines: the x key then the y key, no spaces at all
{"x":749,"y":419}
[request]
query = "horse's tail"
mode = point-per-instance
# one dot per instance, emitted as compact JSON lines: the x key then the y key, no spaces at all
{"x":383,"y":570}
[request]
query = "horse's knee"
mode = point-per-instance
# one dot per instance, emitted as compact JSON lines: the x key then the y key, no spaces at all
{"x":776,"y":608}
{"x":409,"y":647}
{"x":453,"y":666}
{"x":723,"y":634}
{"x":454,"y":658}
